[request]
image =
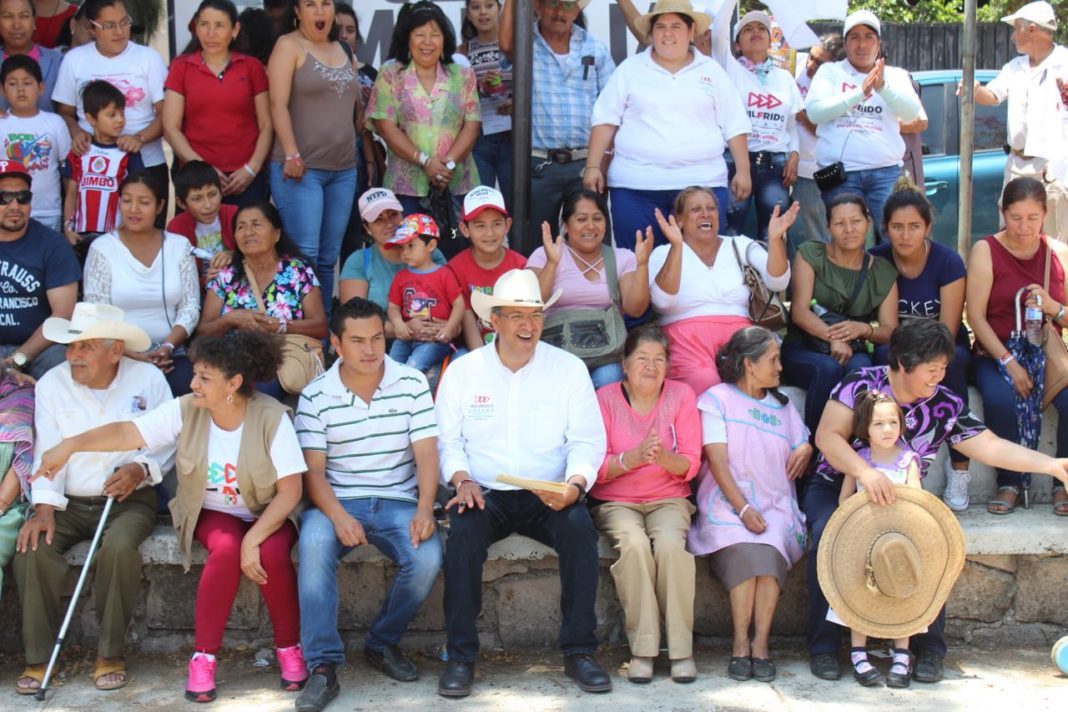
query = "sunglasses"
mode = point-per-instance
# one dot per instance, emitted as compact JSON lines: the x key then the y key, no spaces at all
{"x":23,"y":197}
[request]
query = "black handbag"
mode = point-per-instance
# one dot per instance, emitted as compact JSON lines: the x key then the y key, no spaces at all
{"x":830,"y":177}
{"x":830,"y":318}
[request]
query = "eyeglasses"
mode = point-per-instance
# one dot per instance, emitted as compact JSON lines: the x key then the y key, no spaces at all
{"x":517,"y":318}
{"x":112,"y":26}
{"x":23,"y":197}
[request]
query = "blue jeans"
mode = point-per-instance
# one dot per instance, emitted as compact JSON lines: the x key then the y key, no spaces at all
{"x":999,"y":399}
{"x":818,"y":502}
{"x":765,"y":171}
{"x":875,"y":185}
{"x":570,"y":532}
{"x":315,"y":212}
{"x":385,"y":522}
{"x":632,"y":210}
{"x":420,"y":355}
{"x":255,"y":192}
{"x":811,"y":221}
{"x":493,"y":157}
{"x":550,"y":183}
{"x":817,"y":372}
{"x":608,"y":373}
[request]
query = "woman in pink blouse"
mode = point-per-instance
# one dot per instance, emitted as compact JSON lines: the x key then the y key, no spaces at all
{"x":640,"y":502}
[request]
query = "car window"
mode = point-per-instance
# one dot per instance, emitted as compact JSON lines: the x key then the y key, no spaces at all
{"x":933,"y":97}
{"x":990,"y":127}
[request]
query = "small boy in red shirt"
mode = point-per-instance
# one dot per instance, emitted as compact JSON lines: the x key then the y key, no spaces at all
{"x":485,"y":223}
{"x":205,"y":220}
{"x":420,"y":292}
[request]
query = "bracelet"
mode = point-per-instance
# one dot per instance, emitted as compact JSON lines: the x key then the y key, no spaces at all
{"x":622,"y":464}
{"x":422,"y":158}
{"x":586,"y":168}
{"x":248,"y":169}
{"x":141,"y":138}
{"x":872,"y":334}
{"x":463,"y":482}
{"x":170,"y":347}
{"x":1060,"y":314}
{"x":148,"y":473}
{"x":294,"y":157}
{"x":742,"y":513}
{"x":283,"y":325}
{"x":1006,"y":358}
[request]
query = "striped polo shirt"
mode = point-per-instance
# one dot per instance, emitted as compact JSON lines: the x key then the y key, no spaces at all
{"x":368,"y":446}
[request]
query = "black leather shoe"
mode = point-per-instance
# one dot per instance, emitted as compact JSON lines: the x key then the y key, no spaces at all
{"x":871,"y":678}
{"x":393,"y":662}
{"x":929,"y":667}
{"x":456,"y":680}
{"x":764,"y":669}
{"x":587,"y":672}
{"x":319,"y":690}
{"x":740,"y":668}
{"x":825,"y":666}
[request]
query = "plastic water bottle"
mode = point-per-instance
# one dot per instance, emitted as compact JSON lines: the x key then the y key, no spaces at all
{"x":817,"y":309}
{"x":1033,"y":321}
{"x":200,"y":253}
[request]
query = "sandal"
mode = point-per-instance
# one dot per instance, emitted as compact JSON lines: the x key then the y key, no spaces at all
{"x":112,"y":666}
{"x":1001,"y":505}
{"x":1060,"y":503}
{"x":30,"y":680}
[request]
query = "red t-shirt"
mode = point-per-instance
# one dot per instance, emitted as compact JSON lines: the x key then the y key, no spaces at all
{"x":473,"y":278}
{"x":1009,"y":275}
{"x":421,"y":294}
{"x":46,"y":29}
{"x":219,"y":119}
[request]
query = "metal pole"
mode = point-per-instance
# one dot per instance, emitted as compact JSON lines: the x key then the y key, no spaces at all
{"x":967,"y":132}
{"x":522,"y":97}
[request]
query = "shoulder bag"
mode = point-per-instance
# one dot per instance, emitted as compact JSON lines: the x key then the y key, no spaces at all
{"x":766,"y":307}
{"x":1056,"y":377}
{"x":302,"y":356}
{"x":838,"y":315}
{"x":594,"y":335}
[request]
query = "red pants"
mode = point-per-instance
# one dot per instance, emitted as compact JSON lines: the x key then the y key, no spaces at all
{"x":221,"y":535}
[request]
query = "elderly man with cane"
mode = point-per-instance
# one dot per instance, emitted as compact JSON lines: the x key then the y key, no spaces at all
{"x":97,"y":385}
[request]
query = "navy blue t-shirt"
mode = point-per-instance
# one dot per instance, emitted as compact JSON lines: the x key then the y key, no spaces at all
{"x":921,"y":296}
{"x":40,"y":260}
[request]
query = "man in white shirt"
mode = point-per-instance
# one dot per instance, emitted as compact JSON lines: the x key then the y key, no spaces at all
{"x":858,"y":105}
{"x":96,"y":385}
{"x":1036,"y":85}
{"x":520,"y":407}
{"x":369,"y":438}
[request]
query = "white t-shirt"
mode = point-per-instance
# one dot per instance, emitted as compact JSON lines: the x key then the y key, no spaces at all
{"x":40,"y":143}
{"x":673,"y":128}
{"x":806,"y":140}
{"x":138,"y":72}
{"x":862,"y":133}
{"x":161,"y":427}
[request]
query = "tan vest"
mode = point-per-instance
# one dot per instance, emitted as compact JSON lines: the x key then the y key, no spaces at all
{"x":256,"y":474}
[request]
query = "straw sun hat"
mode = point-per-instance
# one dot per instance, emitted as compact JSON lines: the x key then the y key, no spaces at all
{"x":701,"y":20}
{"x":887,"y":570}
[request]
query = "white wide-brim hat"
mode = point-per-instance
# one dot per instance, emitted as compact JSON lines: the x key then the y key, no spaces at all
{"x":887,"y":570}
{"x":96,"y":321}
{"x":514,"y":288}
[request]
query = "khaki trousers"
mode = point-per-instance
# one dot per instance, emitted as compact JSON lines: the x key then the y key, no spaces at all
{"x":1056,"y":222}
{"x":40,"y":574}
{"x":655,"y":575}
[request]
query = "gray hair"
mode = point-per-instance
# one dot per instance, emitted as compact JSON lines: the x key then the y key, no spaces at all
{"x":834,"y":45}
{"x":750,"y":343}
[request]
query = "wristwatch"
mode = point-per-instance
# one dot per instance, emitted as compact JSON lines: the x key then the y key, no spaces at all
{"x":582,"y":492}
{"x":451,"y":165}
{"x":19,"y":360}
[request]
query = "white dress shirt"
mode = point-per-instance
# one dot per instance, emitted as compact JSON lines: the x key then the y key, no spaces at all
{"x":540,"y":422}
{"x":65,"y":408}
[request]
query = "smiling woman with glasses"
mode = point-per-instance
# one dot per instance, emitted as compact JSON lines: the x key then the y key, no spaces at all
{"x":137,"y":71}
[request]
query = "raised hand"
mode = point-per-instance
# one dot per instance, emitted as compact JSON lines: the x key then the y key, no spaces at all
{"x":554,"y":246}
{"x":669,"y":228}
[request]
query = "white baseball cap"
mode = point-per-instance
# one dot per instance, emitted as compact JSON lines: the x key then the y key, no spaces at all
{"x":483,"y":198}
{"x":1040,"y":13}
{"x":751,"y":17}
{"x":374,"y":201}
{"x":862,"y":17}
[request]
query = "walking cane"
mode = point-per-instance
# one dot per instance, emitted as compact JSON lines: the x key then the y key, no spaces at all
{"x":40,"y":694}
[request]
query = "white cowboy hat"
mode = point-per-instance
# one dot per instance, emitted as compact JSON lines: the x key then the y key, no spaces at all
{"x":888,"y":570}
{"x":96,"y":321}
{"x":514,"y":288}
{"x":701,"y":20}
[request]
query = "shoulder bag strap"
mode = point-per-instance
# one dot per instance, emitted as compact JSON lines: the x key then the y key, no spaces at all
{"x":255,"y":290}
{"x":610,"y":273}
{"x":858,"y":286}
{"x":1049,"y":256}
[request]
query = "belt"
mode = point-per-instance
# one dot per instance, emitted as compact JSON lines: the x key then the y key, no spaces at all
{"x":561,"y":155}
{"x":763,"y":158}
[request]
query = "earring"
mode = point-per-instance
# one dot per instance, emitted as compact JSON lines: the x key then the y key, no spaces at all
{"x":230,"y":398}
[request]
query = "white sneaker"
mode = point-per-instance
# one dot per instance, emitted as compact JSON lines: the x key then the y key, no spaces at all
{"x":956,"y":492}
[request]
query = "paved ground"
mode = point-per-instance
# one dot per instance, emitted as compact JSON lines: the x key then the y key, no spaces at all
{"x":1021,"y":680}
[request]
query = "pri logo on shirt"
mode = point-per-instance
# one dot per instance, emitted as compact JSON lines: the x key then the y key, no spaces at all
{"x":764,"y":101}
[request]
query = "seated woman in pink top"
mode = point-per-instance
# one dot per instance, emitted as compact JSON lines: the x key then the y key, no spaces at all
{"x":577,"y":262}
{"x":640,"y":502}
{"x":755,"y":446}
{"x":697,"y":285}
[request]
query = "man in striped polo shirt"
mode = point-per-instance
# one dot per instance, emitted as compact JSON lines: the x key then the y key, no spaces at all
{"x":369,"y":437}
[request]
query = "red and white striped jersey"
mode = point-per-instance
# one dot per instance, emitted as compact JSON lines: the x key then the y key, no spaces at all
{"x":98,"y":174}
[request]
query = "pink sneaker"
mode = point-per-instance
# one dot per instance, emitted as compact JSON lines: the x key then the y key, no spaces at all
{"x":200,"y":686}
{"x":294,"y":671}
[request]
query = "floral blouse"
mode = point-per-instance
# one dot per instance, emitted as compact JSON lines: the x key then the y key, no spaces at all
{"x":283,"y":297}
{"x":431,"y":121}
